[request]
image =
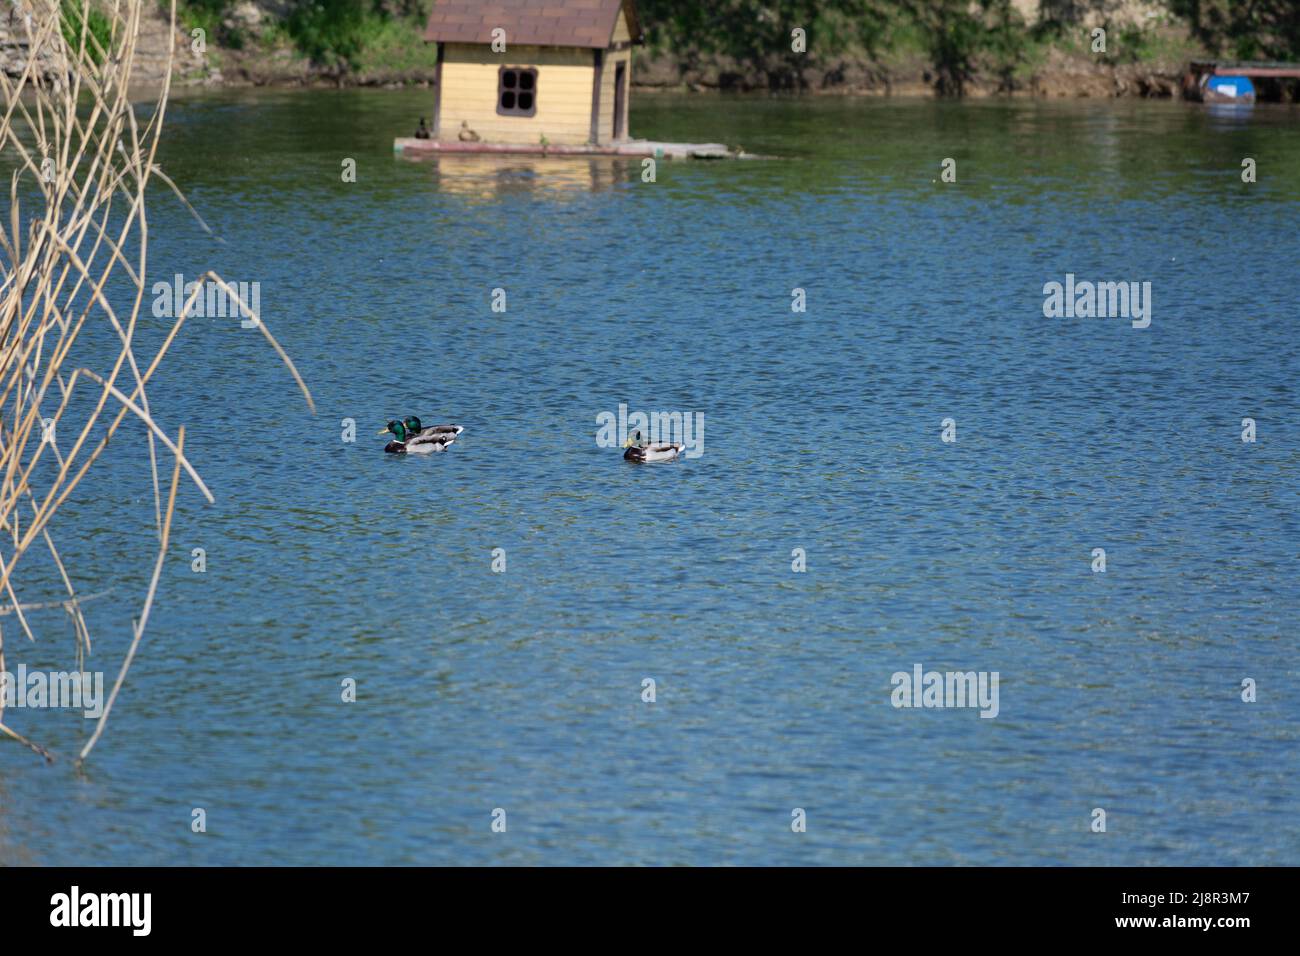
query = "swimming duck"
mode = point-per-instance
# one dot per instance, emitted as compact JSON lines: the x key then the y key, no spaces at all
{"x":415,"y":428}
{"x":408,"y":442}
{"x":639,"y":450}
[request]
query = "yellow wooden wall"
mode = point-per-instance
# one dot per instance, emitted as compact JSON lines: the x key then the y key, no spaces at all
{"x":612,"y":60}
{"x":621,"y":31}
{"x":469,"y":93}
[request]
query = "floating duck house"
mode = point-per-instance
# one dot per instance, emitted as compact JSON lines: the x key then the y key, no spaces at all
{"x":534,"y":72}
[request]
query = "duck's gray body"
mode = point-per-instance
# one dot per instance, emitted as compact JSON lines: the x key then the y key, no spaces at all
{"x":420,"y":445}
{"x":445,"y":431}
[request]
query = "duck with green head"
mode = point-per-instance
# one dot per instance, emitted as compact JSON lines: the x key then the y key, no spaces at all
{"x":411,"y":438}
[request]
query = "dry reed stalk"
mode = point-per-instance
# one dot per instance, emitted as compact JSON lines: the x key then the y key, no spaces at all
{"x":83,"y":161}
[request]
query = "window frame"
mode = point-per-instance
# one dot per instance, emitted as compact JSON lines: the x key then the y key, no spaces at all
{"x":502,"y":89}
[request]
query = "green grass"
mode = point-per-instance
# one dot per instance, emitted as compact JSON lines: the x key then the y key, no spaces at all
{"x":906,"y":38}
{"x":395,"y":46}
{"x":352,"y":35}
{"x":205,"y":15}
{"x":98,"y":25}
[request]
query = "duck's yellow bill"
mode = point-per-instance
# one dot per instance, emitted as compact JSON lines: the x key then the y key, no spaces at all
{"x":382,"y":431}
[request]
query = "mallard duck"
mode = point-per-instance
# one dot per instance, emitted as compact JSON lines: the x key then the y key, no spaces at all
{"x":422,"y":131}
{"x":639,"y":450}
{"x":467,"y":135}
{"x":408,"y":442}
{"x":415,"y":428}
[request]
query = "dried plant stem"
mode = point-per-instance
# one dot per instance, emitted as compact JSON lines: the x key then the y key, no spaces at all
{"x":83,"y":161}
{"x":142,"y":622}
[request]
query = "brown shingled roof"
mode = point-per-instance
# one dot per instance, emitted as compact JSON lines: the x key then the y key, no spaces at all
{"x":581,"y":23}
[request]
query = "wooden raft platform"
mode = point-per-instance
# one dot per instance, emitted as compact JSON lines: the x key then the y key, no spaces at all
{"x":410,"y":146}
{"x":1252,"y":68}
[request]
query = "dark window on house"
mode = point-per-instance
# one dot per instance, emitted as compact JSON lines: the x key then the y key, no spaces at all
{"x":516,"y":91}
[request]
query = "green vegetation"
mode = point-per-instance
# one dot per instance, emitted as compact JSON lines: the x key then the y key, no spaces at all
{"x":956,"y":38}
{"x":1260,"y":29}
{"x":374,"y":38}
{"x":755,"y":34}
{"x":954,"y":35}
{"x":206,"y":15}
{"x":340,"y":35}
{"x":396,"y":47}
{"x":97,"y":24}
{"x":748,"y":43}
{"x":331,"y":32}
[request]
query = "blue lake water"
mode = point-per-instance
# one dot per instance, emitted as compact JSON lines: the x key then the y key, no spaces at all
{"x":522,"y":690}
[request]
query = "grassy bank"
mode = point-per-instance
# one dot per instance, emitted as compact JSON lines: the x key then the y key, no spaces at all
{"x":948,"y":47}
{"x":327,"y":40}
